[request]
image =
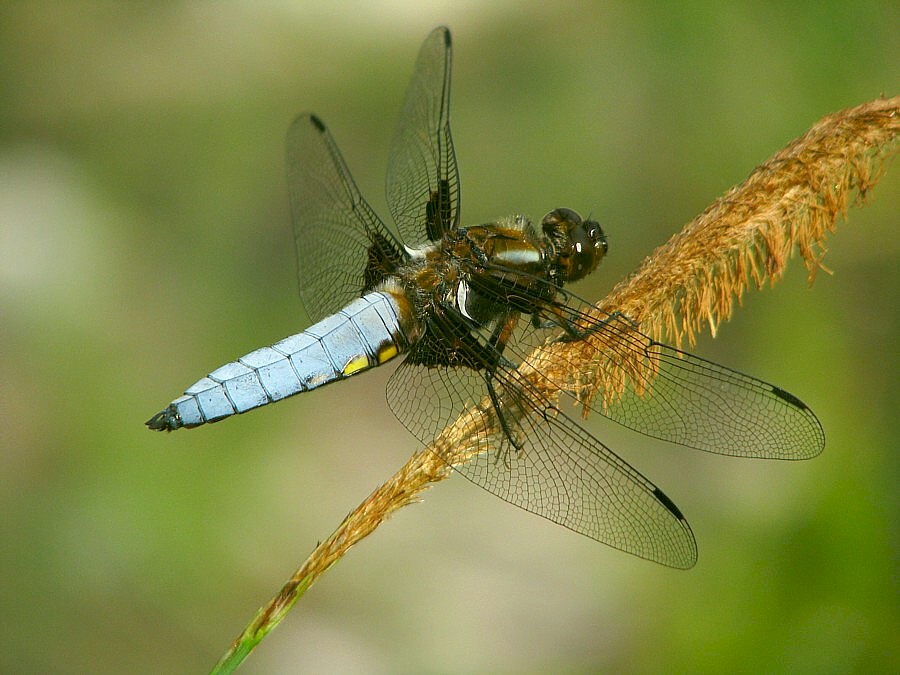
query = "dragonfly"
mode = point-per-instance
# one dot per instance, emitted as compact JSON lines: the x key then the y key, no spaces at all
{"x":465,"y":306}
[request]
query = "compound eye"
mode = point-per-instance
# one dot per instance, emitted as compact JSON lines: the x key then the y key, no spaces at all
{"x":587,"y":245}
{"x":596,"y":236}
{"x":582,"y":259}
{"x":560,"y":221}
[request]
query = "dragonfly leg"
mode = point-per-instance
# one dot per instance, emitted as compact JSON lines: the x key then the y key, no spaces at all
{"x":573,"y":332}
{"x":498,"y":340}
{"x":498,"y":409}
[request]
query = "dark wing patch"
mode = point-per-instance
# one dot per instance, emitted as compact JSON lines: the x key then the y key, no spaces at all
{"x":382,"y":260}
{"x":423,"y":177}
{"x":451,"y":340}
{"x":342,"y":246}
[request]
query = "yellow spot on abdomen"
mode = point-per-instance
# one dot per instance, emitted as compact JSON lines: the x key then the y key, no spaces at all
{"x":355,"y":365}
{"x":386,"y":353}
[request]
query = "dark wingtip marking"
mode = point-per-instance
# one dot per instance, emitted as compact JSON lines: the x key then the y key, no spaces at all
{"x":668,"y":503}
{"x":447,"y":36}
{"x":789,"y":397}
{"x":317,"y":123}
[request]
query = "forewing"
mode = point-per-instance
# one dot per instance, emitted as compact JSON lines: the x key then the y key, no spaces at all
{"x":555,"y":469}
{"x":422,"y":178}
{"x":672,"y":395}
{"x":343,"y":248}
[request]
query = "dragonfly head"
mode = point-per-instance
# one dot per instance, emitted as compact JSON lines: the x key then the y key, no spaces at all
{"x":578,"y":245}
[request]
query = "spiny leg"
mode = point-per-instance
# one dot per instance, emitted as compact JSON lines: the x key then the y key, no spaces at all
{"x":501,"y":335}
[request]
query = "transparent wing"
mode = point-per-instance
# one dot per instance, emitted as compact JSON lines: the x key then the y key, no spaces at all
{"x":422,"y":177}
{"x":688,"y":400}
{"x":555,"y":469}
{"x":669,"y":394}
{"x":343,"y":248}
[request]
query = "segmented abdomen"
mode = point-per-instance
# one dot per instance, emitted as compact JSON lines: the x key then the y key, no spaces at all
{"x":366,"y":333}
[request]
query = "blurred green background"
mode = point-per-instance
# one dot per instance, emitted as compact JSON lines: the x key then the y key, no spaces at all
{"x":145,"y":241}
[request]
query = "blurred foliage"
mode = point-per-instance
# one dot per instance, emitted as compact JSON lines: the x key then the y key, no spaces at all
{"x":144,"y":226}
